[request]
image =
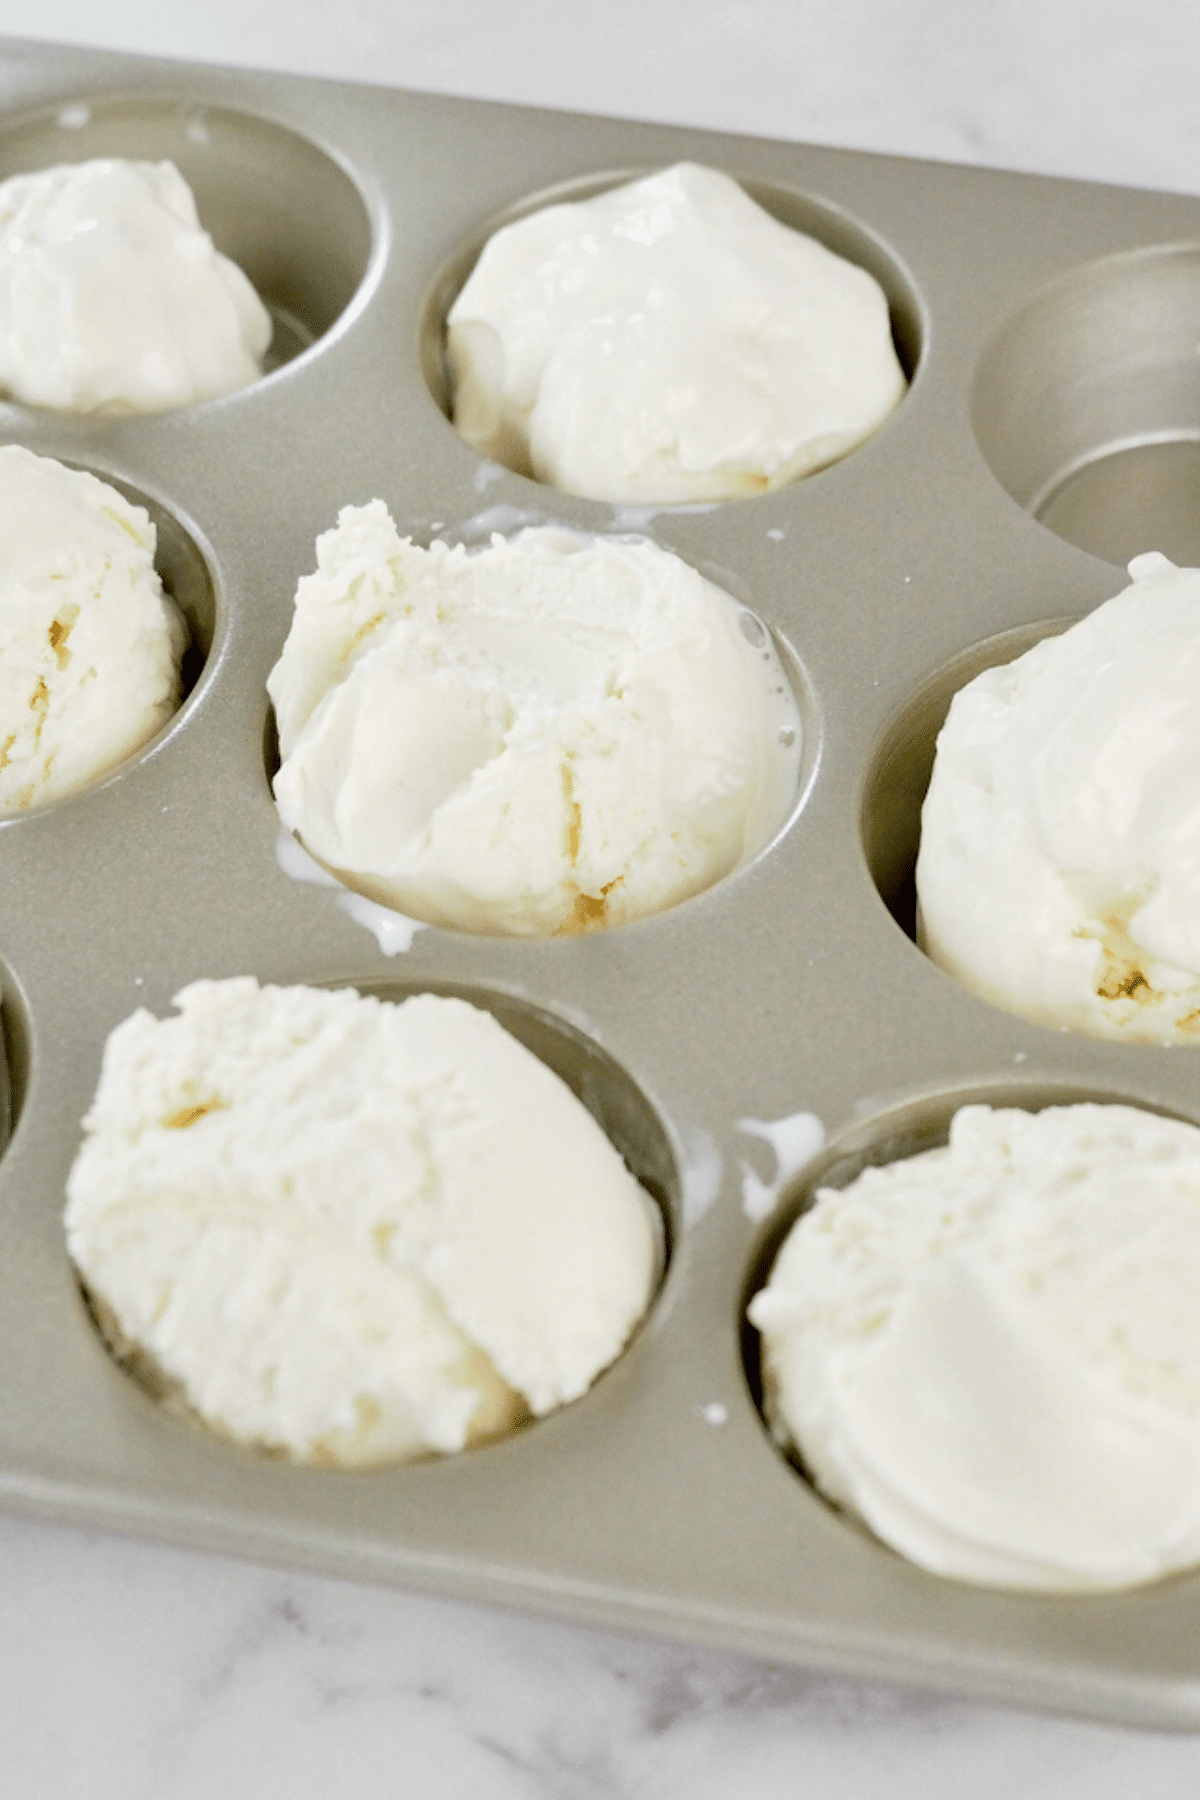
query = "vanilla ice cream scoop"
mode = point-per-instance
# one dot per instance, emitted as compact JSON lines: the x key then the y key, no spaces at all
{"x":1059,"y":867}
{"x":551,"y":734}
{"x":668,"y":341}
{"x":89,"y":644}
{"x":112,"y":296}
{"x":990,"y":1353}
{"x":348,"y":1230}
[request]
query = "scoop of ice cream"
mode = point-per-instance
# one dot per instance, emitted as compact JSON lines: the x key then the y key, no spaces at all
{"x":350,"y":1230}
{"x":549,"y":734}
{"x":89,"y":644}
{"x":1059,"y":868}
{"x":668,"y":341}
{"x":112,"y":297}
{"x":991,"y":1352}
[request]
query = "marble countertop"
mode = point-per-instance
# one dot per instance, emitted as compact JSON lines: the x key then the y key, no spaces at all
{"x":153,"y":1674}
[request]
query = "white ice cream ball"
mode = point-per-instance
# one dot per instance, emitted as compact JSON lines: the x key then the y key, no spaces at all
{"x":668,"y":341}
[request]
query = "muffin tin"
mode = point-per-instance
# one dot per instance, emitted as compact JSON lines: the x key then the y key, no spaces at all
{"x":1050,"y":432}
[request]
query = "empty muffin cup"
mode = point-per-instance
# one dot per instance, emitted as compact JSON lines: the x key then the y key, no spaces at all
{"x":1086,"y":405}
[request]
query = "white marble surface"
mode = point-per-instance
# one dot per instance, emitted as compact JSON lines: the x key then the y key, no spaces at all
{"x":152,"y":1674}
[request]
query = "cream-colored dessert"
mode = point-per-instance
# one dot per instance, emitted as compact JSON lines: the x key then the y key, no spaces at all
{"x":990,"y":1352}
{"x":668,"y":341}
{"x":551,"y":734}
{"x":1059,"y":867}
{"x":351,"y":1231}
{"x":89,"y":644}
{"x":113,"y":297}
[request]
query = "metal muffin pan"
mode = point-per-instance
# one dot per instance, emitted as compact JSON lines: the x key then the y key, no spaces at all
{"x":1049,"y":327}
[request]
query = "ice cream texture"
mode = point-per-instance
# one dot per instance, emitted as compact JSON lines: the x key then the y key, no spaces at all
{"x":668,"y":341}
{"x":89,"y":644}
{"x":990,"y":1352}
{"x":547,"y":735}
{"x":113,"y":297}
{"x":348,"y":1230}
{"x":1059,"y":868}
